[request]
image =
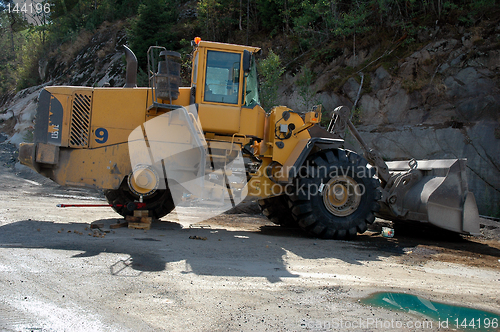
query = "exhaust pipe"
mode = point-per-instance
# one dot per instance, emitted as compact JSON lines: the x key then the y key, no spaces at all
{"x":131,"y":74}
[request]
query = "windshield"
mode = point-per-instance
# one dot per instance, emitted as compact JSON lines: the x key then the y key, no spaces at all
{"x":222,"y":77}
{"x":252,"y":89}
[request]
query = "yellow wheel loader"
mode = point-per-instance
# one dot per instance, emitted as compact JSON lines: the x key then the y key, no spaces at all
{"x":213,"y":143}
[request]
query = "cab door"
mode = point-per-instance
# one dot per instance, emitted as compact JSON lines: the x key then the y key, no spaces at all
{"x":221,"y":92}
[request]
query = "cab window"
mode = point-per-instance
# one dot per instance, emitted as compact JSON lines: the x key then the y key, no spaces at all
{"x":252,"y":87}
{"x":222,"y":79}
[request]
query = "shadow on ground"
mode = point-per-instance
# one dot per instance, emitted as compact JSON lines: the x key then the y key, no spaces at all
{"x":223,"y":253}
{"x":244,"y":253}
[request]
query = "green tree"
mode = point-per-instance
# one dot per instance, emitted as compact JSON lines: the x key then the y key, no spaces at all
{"x":153,"y":27}
{"x":12,"y":41}
{"x":306,"y":92}
{"x":219,"y":19}
{"x":270,"y":71}
{"x":68,"y":17}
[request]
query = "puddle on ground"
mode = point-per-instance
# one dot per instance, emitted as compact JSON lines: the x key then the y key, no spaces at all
{"x":455,"y":317}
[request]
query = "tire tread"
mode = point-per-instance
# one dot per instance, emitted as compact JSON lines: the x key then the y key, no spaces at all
{"x":313,"y":222}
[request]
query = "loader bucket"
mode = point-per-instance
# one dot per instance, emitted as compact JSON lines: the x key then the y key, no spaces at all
{"x":434,"y":191}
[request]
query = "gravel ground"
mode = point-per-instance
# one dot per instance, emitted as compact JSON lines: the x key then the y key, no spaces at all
{"x":56,"y":274}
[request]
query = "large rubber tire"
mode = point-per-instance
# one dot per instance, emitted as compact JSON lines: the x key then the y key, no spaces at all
{"x":159,"y":203}
{"x":276,"y":209}
{"x":352,"y":213}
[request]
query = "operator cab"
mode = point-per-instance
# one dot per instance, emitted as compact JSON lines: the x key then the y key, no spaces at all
{"x":224,"y":84}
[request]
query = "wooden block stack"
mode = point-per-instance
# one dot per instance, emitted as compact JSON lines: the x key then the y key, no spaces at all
{"x":118,"y":225}
{"x":140,"y":220}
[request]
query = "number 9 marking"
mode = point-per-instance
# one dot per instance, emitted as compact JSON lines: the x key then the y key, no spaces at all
{"x":102,"y":135}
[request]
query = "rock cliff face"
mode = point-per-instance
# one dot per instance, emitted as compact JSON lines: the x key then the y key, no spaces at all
{"x":91,"y":60}
{"x":442,"y":101}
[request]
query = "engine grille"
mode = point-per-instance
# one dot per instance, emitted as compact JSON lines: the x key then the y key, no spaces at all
{"x":80,"y":120}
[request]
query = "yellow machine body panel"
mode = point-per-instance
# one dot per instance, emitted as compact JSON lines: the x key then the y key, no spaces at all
{"x":118,"y":111}
{"x":183,"y":100}
{"x":98,"y":168}
{"x":280,"y":149}
{"x":223,"y":119}
{"x":278,"y":146}
{"x":252,"y":121}
{"x":261,"y":186}
{"x":59,"y":128}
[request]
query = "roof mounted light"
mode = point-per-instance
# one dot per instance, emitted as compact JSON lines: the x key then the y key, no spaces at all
{"x":197,"y":40}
